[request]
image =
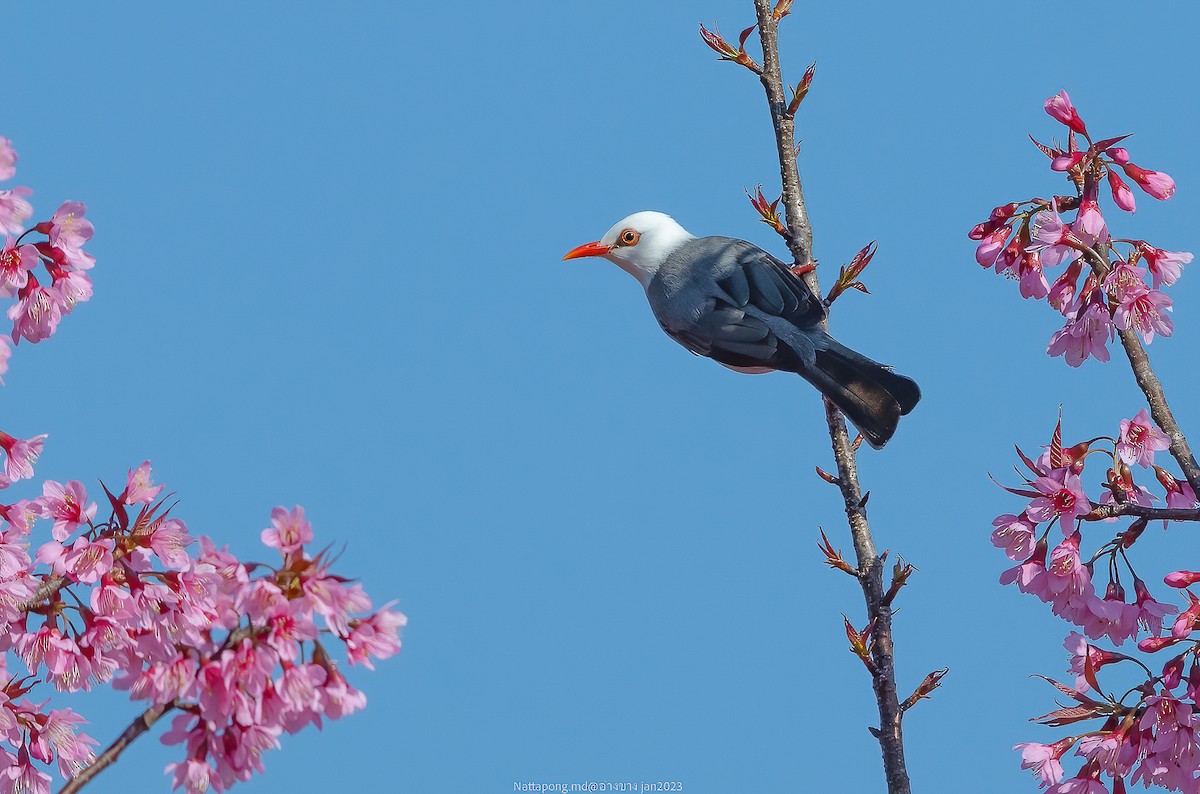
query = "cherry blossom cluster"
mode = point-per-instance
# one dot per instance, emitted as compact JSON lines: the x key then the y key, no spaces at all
{"x":1151,"y":733}
{"x":242,"y":650}
{"x":1146,"y":735}
{"x":1025,"y":239}
{"x":54,"y":246}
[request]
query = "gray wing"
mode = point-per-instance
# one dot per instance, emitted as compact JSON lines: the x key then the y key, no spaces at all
{"x":750,"y":298}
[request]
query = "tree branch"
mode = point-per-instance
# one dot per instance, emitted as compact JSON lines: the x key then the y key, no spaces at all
{"x":1101,"y":512}
{"x":1150,"y":385}
{"x":870,"y":565}
{"x":1148,"y":382}
{"x":142,"y":723}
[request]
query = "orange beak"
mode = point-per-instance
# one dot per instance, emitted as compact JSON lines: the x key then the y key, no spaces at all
{"x":587,"y":249}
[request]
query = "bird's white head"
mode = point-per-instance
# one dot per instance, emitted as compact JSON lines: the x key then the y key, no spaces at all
{"x":637,"y":244}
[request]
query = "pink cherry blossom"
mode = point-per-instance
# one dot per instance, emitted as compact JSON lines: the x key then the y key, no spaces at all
{"x":36,"y":313}
{"x":8,"y":159}
{"x":71,"y":287}
{"x":1009,"y":256}
{"x":1150,"y":612}
{"x":24,"y":777}
{"x":5,"y":354}
{"x":288,"y":531}
{"x":15,"y":263}
{"x":1078,"y":651}
{"x":59,"y":735}
{"x":1031,"y":576}
{"x":1187,"y":619}
{"x":1061,"y":495}
{"x":1147,"y":313}
{"x":1042,"y":760}
{"x":1179,"y":492}
{"x":169,"y":542}
{"x":1059,"y":106}
{"x":195,"y":776}
{"x":1157,"y":184}
{"x":1140,"y":438}
{"x":300,"y":686}
{"x":1084,"y":335}
{"x":1068,"y":575}
{"x":87,"y":562}
{"x":22,"y":514}
{"x":14,"y":555}
{"x":1089,"y":225}
{"x":14,"y":210}
{"x":1165,"y":266}
{"x":1062,"y":291}
{"x":1014,"y":534}
{"x":65,"y":504}
{"x":341,"y":699}
{"x":1080,"y":784}
{"x":139,"y":486}
{"x":21,"y":455}
{"x":991,"y":246}
{"x":376,"y":636}
{"x":1029,"y":273}
{"x":69,"y":230}
{"x":333,"y":600}
{"x":1052,"y":238}
{"x":1125,"y":281}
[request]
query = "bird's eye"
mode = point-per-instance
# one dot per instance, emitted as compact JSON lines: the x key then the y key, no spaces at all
{"x":629,"y":237}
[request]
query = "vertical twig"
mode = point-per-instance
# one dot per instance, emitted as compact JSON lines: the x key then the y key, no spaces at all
{"x":870,"y":566}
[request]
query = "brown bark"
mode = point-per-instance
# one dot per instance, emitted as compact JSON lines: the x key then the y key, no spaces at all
{"x":870,"y":565}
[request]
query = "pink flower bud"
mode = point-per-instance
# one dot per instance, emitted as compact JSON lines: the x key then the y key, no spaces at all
{"x":1156,"y":183}
{"x":1173,"y":672}
{"x":1182,"y":578}
{"x":991,"y":246}
{"x":1059,"y":106}
{"x":1155,"y":644}
{"x":1119,"y":154}
{"x":1065,"y":162}
{"x":1122,"y":195}
{"x":1004,"y":211}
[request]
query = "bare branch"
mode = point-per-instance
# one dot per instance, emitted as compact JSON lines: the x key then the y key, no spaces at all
{"x":870,"y":565}
{"x":1102,"y":512}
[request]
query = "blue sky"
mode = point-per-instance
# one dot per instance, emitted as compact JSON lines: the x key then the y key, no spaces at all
{"x":329,"y":245}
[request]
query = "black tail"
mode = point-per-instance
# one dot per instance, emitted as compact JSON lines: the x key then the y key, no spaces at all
{"x":868,"y":393}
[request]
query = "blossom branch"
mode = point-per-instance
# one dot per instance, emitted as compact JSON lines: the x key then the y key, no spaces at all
{"x":140,"y":725}
{"x":1148,"y":382}
{"x":1150,"y":385}
{"x":870,"y":564}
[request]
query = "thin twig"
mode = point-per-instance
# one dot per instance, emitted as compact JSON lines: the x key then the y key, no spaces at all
{"x":1102,"y":512}
{"x":870,"y":565}
{"x":142,"y":723}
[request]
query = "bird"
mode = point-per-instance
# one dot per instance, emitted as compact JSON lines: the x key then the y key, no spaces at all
{"x":733,"y":302}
